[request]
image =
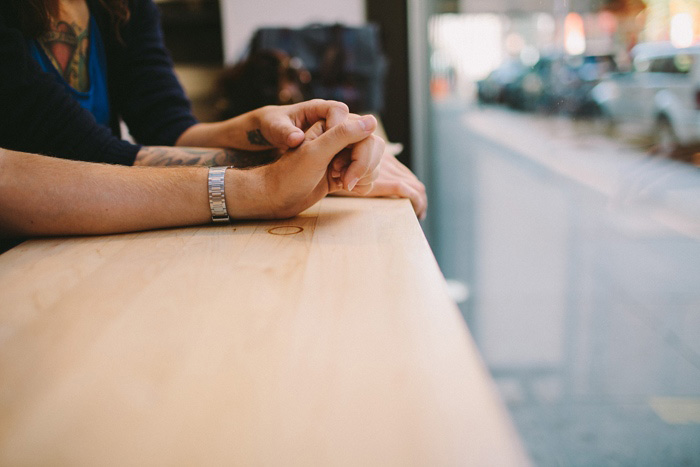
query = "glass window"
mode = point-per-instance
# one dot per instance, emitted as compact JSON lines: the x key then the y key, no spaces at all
{"x":565,"y":213}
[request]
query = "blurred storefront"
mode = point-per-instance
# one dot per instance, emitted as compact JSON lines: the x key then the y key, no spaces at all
{"x":470,"y":38}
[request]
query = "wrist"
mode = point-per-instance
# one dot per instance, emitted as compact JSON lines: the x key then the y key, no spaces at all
{"x":195,"y":136}
{"x":245,"y":194}
{"x":217,"y":198}
{"x":207,"y":135}
{"x":254,"y":118}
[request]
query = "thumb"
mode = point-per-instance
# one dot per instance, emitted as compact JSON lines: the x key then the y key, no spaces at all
{"x":284,"y":134}
{"x":340,"y":136}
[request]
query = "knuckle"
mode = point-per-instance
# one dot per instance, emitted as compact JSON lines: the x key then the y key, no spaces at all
{"x":343,"y":131}
{"x":341,"y":105}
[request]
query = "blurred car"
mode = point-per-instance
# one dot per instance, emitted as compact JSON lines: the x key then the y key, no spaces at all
{"x":659,"y":97}
{"x":560,"y":83}
{"x":491,"y":89}
{"x":528,"y":91}
{"x":590,"y":70}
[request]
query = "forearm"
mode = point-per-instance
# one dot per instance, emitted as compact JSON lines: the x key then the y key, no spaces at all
{"x":282,"y":127}
{"x":46,"y":196}
{"x":42,"y":195}
{"x":242,"y":132}
{"x":197,"y":156}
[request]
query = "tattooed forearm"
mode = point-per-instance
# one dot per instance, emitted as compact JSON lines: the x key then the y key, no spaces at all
{"x":179,"y":156}
{"x":167,"y":156}
{"x":256,"y":137}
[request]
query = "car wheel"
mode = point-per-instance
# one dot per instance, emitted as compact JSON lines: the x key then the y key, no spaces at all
{"x":665,"y":139}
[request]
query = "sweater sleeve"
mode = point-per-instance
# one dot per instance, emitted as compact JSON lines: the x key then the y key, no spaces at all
{"x":37,"y":115}
{"x":149,"y":97}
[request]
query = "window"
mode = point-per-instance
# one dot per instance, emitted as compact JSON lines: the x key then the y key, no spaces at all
{"x":565,"y":210}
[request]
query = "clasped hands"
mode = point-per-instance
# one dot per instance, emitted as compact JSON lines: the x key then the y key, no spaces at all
{"x":325,"y":135}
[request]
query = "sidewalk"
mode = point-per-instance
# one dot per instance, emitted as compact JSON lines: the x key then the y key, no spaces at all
{"x":632,"y":179}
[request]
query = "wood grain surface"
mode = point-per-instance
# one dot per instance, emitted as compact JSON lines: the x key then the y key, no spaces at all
{"x":327,"y":339}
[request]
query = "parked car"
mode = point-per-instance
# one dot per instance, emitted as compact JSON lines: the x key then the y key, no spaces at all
{"x":529,"y":90}
{"x":659,"y":97}
{"x":490,"y":90}
{"x":589,"y":71}
{"x":559,"y":83}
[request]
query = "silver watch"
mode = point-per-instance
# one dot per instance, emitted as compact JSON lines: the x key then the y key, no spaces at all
{"x":217,"y":199}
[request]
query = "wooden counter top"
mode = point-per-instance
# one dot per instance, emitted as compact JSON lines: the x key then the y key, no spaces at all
{"x":327,"y":339}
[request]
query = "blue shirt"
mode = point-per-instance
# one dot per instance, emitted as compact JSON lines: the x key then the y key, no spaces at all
{"x":45,"y":118}
{"x":96,"y":99}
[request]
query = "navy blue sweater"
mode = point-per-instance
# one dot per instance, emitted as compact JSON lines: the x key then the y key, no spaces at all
{"x":37,"y":115}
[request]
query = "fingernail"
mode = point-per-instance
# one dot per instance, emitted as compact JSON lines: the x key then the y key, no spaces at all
{"x":367,"y":122}
{"x":352,"y":183}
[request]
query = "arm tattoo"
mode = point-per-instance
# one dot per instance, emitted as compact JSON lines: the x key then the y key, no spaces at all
{"x":256,"y":137}
{"x":181,"y":156}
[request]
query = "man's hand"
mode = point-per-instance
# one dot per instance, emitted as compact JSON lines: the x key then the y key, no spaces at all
{"x":301,"y":176}
{"x":42,"y":195}
{"x":394,"y":179}
{"x":274,"y":126}
{"x":356,"y":176}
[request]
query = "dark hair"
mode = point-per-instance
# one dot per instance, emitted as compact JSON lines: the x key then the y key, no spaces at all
{"x":266,"y":77}
{"x":35,"y":15}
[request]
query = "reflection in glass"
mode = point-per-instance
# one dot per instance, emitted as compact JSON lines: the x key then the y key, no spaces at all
{"x":568,"y":204}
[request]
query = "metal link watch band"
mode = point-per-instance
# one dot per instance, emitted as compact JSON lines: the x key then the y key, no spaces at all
{"x":217,"y":199}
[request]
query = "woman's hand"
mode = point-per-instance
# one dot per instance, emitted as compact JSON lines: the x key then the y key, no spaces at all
{"x":394,"y":179}
{"x":274,"y":126}
{"x":283,"y":126}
